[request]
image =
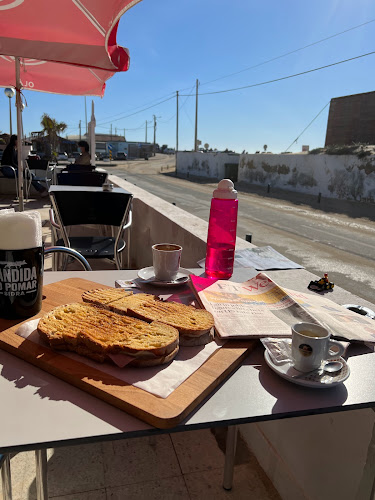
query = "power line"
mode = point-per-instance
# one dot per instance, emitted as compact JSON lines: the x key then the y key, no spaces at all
{"x":180,"y":107}
{"x":304,"y":130}
{"x":283,"y":77}
{"x":136,"y":112}
{"x":137,"y":107}
{"x":241,"y":71}
{"x":288,"y":53}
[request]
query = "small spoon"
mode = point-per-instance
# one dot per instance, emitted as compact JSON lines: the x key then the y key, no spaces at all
{"x":329,"y":367}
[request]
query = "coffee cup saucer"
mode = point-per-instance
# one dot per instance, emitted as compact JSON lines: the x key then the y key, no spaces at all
{"x":148,"y":274}
{"x":316,"y":379}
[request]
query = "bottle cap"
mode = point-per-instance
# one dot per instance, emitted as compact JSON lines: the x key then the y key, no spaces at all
{"x":225,"y":190}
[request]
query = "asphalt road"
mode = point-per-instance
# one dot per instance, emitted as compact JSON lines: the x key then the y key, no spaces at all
{"x":320,"y":241}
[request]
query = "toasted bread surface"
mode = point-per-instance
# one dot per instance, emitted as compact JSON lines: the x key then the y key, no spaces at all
{"x":123,"y":305}
{"x":187,"y":319}
{"x":104,"y":295}
{"x":103,"y":331}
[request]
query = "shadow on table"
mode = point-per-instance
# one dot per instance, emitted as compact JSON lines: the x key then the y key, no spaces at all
{"x":295,"y":398}
{"x":14,"y":371}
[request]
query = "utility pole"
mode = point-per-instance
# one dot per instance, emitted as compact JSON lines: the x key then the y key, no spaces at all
{"x":196,"y":116}
{"x":146,"y":132}
{"x":176,"y":122}
{"x":111,"y":131}
{"x":80,"y":133}
{"x":86,"y":115}
{"x":116,"y":131}
{"x":124,"y":136}
{"x":175,"y":172}
{"x":154,"y":133}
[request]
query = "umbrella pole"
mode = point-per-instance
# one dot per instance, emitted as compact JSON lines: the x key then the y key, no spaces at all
{"x":19,"y":134}
{"x":92,"y":135}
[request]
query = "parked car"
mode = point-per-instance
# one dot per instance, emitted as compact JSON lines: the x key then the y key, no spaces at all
{"x":121,"y":156}
{"x":62,"y":157}
{"x":75,"y":155}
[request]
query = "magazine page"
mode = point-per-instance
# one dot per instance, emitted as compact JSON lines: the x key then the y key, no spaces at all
{"x":342,"y":322}
{"x":259,"y":307}
{"x":243,"y":310}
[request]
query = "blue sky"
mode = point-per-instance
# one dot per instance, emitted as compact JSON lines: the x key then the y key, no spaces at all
{"x":172,"y":43}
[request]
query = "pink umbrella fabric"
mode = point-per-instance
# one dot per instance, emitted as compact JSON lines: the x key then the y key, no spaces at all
{"x":79,"y":32}
{"x":56,"y":78}
{"x":63,"y":47}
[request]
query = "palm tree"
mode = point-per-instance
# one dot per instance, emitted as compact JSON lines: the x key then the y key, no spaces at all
{"x":52,"y":128}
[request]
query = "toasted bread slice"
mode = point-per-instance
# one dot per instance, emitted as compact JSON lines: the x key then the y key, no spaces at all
{"x":103,"y":332}
{"x":123,"y":305}
{"x":137,"y":361}
{"x":188,"y":320}
{"x":103,"y":296}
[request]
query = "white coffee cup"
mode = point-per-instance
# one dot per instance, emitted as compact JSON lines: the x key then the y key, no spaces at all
{"x":166,"y":259}
{"x":311,"y":345}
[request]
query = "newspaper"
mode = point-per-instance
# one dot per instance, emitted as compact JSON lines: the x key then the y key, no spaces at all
{"x":261,"y":308}
{"x":260,"y":258}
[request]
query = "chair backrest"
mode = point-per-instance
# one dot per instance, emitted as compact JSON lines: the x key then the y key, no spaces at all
{"x":75,"y":167}
{"x":35,"y":164}
{"x":91,"y":207}
{"x":81,"y":178}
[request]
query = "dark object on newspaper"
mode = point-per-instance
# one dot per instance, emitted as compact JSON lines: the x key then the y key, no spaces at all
{"x":321,"y":285}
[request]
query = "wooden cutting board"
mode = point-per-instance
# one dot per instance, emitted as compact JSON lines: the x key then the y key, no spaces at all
{"x":161,"y":413}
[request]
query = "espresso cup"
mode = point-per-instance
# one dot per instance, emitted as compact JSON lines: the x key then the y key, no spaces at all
{"x":311,"y":345}
{"x":166,"y":259}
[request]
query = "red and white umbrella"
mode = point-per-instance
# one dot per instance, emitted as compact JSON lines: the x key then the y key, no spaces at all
{"x":66,"y":47}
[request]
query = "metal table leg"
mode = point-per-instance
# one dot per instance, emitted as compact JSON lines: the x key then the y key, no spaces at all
{"x":6,"y":479}
{"x":41,"y":474}
{"x":230,"y":453}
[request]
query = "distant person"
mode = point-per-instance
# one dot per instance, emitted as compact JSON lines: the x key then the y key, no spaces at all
{"x":84,"y":158}
{"x":10,"y":159}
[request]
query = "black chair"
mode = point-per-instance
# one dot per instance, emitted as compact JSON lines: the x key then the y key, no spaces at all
{"x":76,"y":167}
{"x":67,"y":252}
{"x":81,"y":178}
{"x":42,"y":169}
{"x":5,"y":476}
{"x":40,"y":477}
{"x":15,"y":175}
{"x":91,"y":206}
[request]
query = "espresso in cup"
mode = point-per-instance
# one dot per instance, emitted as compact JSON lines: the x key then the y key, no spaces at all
{"x":166,"y":259}
{"x":311,"y":345}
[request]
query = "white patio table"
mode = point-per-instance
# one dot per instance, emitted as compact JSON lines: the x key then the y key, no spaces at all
{"x":31,"y":420}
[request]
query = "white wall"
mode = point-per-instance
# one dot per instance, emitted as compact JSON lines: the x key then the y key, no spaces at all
{"x":319,"y":457}
{"x":210,"y":165}
{"x":334,"y":176}
{"x":344,"y":177}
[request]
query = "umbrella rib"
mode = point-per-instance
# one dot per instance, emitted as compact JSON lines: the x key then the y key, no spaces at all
{"x":90,"y":17}
{"x":96,"y":76}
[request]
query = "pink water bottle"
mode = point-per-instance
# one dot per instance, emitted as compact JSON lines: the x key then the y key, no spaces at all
{"x":222,"y":228}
